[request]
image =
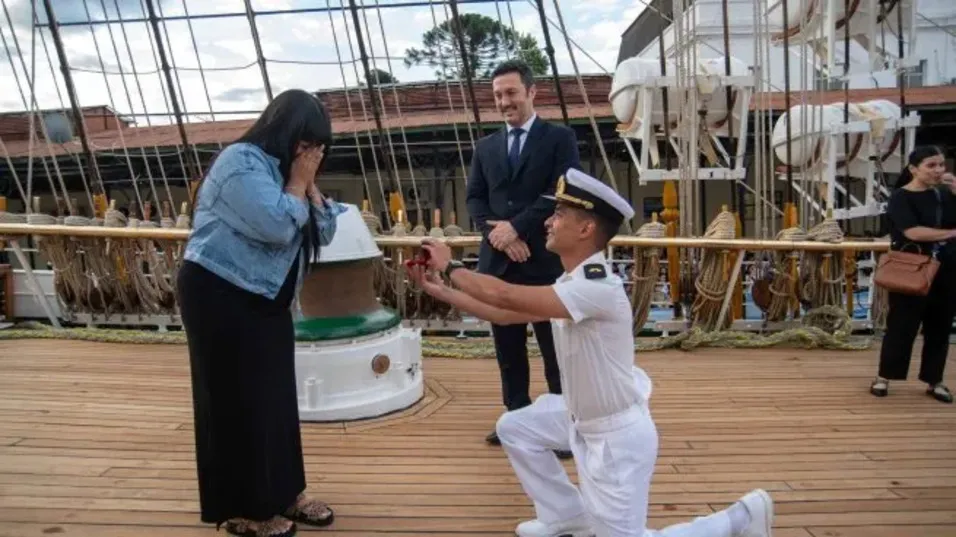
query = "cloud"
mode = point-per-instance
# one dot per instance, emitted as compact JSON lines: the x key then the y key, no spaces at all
{"x":317,"y":50}
{"x":241,"y":94}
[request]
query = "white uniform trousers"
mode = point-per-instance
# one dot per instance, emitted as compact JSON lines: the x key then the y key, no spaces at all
{"x":614,"y":457}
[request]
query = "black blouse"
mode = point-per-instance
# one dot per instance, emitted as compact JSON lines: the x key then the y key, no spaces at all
{"x":908,"y":209}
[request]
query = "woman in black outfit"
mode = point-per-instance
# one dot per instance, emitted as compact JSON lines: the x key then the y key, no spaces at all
{"x":258,"y":219}
{"x":922,"y":217}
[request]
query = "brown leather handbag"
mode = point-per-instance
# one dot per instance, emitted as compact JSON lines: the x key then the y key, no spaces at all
{"x":908,"y":273}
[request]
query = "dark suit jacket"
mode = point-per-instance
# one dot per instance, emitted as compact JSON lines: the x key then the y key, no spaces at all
{"x":495,"y":194}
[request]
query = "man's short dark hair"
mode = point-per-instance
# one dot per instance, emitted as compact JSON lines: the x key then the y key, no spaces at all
{"x":515,"y":66}
{"x":606,"y":228}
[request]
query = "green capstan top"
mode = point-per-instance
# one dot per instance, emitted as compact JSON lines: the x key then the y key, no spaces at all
{"x":352,"y":326}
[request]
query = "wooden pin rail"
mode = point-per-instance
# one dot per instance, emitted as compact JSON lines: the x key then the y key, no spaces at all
{"x":626,"y":241}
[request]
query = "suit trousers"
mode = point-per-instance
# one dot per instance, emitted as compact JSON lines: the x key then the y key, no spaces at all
{"x":907,"y":313}
{"x":511,"y":350}
{"x":614,"y":458}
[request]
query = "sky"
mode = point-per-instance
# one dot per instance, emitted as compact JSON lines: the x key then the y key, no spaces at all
{"x":233,"y":82}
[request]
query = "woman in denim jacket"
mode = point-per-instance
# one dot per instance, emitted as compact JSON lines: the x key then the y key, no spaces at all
{"x":259,"y":219}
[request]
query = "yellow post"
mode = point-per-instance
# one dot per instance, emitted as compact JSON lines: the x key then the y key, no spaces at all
{"x":99,"y":206}
{"x":193,"y":189}
{"x":395,"y":205}
{"x":790,"y":215}
{"x":670,"y":215}
{"x":790,"y":219}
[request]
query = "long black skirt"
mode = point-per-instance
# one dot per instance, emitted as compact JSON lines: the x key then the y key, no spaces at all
{"x":242,"y":358}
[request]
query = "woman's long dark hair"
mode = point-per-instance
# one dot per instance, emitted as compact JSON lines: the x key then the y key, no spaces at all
{"x":292,"y":117}
{"x":917,"y":156}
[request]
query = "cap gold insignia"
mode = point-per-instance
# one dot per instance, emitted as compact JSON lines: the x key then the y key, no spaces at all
{"x":559,"y":194}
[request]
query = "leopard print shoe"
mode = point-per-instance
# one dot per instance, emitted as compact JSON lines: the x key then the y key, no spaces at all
{"x":310,"y":511}
{"x":277,"y":526}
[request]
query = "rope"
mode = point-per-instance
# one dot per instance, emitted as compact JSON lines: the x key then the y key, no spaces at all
{"x":109,"y":92}
{"x":82,"y":124}
{"x":202,"y":72}
{"x":30,"y":76}
{"x":646,"y":272}
{"x":358,"y":81}
{"x":826,"y":328}
{"x":777,"y":287}
{"x":714,"y":277}
{"x":587,"y":104}
{"x":398,"y":106}
{"x":822,"y":273}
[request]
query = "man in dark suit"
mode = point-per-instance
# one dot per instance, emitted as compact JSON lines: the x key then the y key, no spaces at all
{"x":510,"y":170}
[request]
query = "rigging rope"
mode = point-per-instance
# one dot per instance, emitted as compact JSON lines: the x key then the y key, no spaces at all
{"x":646,"y":272}
{"x":32,"y":106}
{"x":587,"y":103}
{"x":348,"y":103}
{"x":398,"y":106}
{"x":715,"y":277}
{"x":368,"y":131}
{"x":59,"y":94}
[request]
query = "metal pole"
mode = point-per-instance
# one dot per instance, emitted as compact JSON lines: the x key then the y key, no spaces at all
{"x":549,"y":49}
{"x":371,"y":97}
{"x":192,"y":167}
{"x":786,"y":99}
{"x":251,"y":15}
{"x":465,"y":64}
{"x":731,"y":150}
{"x":78,"y":119}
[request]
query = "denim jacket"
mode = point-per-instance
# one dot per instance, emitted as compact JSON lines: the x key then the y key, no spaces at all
{"x":246,"y":228}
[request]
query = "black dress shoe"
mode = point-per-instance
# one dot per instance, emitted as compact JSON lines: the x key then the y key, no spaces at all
{"x":563,"y":455}
{"x":493,"y":439}
{"x":941,"y":393}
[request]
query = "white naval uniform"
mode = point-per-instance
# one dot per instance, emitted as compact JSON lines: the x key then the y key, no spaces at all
{"x":602,"y":417}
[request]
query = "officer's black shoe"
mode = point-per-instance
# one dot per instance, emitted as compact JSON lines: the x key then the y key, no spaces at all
{"x":493,"y":439}
{"x":563,"y":455}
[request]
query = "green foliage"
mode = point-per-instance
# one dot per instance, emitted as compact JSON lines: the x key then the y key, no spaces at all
{"x":487,"y":42}
{"x":381,"y":77}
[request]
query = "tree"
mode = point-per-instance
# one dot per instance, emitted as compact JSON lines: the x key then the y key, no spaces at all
{"x":487,"y":42}
{"x":381,"y":77}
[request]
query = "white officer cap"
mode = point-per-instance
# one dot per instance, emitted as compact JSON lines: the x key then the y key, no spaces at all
{"x":578,"y":189}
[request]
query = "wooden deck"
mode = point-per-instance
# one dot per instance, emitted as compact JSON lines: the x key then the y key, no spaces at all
{"x":96,"y":440}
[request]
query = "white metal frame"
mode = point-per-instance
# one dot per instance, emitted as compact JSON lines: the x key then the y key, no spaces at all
{"x":650,"y":92}
{"x":869,"y":206}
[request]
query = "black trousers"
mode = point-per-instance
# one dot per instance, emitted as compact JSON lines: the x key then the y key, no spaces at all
{"x":242,"y":358}
{"x":511,"y":349}
{"x":907,"y":313}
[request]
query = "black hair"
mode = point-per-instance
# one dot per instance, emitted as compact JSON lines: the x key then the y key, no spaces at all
{"x":292,"y":117}
{"x":606,"y":228}
{"x":917,"y":156}
{"x":515,"y":66}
